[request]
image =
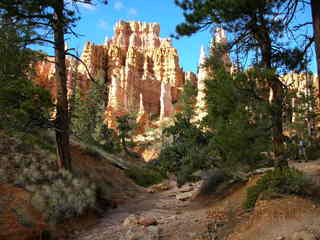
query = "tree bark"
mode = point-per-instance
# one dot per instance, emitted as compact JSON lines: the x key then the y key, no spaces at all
{"x":276,"y":100}
{"x":277,"y":121}
{"x":62,"y":114}
{"x":315,"y":9}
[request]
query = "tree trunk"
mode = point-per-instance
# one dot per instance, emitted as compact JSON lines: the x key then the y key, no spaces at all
{"x":62,"y":115}
{"x":315,"y":9}
{"x":277,"y":130}
{"x":276,"y":100}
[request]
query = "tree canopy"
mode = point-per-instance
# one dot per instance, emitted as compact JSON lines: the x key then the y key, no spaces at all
{"x":258,"y":28}
{"x":51,"y":20}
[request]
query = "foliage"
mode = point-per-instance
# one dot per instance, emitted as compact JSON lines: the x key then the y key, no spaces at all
{"x":249,"y":21}
{"x":57,"y":194}
{"x":187,"y":101}
{"x":144,"y":176}
{"x":182,"y":122}
{"x":301,"y":116}
{"x":87,"y":115}
{"x":125,"y":125}
{"x":51,"y":21}
{"x":240,"y":121}
{"x":24,"y":106}
{"x":63,"y":198}
{"x":88,"y":109}
{"x":278,"y":181}
{"x":187,"y":152}
{"x":255,"y":32}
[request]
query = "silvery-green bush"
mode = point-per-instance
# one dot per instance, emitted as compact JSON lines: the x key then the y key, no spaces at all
{"x":65,"y":197}
{"x":58,"y":194}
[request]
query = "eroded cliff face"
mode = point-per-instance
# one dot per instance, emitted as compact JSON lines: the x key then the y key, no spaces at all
{"x":141,"y":69}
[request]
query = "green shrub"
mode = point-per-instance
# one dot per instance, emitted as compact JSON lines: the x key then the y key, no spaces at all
{"x":57,"y":194}
{"x":278,"y":181}
{"x":144,"y":176}
{"x":188,"y":152}
{"x":313,"y":152}
{"x":212,"y":182}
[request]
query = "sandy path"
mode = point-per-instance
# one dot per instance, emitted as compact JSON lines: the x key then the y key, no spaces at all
{"x":177,"y":220}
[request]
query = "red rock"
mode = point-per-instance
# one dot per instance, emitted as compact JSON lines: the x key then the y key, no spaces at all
{"x":18,"y":219}
{"x":141,"y":69}
{"x":147,"y":221}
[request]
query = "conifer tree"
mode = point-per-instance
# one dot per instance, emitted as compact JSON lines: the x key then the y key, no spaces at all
{"x":238,"y":117}
{"x":256,"y":26}
{"x":24,"y":106}
{"x":52,"y":20}
{"x":88,"y":114}
{"x":125,"y":125}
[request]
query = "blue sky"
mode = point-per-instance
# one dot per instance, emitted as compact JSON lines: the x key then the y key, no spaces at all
{"x":97,"y":22}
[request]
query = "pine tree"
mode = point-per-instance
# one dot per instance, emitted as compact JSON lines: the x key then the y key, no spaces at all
{"x":125,"y":125}
{"x":255,"y":29}
{"x":188,"y":151}
{"x":237,"y":116}
{"x":24,"y":106}
{"x":51,"y":20}
{"x":87,"y":115}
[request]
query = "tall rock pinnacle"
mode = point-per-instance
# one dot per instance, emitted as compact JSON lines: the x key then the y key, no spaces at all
{"x":202,"y":75}
{"x":142,"y":71}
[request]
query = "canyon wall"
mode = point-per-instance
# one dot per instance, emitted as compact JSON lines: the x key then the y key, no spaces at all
{"x":141,"y":69}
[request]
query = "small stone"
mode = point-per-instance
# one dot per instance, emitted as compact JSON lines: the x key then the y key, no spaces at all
{"x":160,"y":187}
{"x":131,"y":220}
{"x":172,"y":194}
{"x":187,"y":188}
{"x":147,"y":220}
{"x":151,"y":190}
{"x":174,"y":217}
{"x":184,"y":196}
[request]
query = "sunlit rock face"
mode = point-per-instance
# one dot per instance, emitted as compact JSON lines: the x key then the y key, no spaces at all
{"x":45,"y":75}
{"x":141,"y":69}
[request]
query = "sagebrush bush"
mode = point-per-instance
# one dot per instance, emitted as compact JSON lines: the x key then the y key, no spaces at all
{"x":278,"y":181}
{"x":66,"y":197}
{"x":57,"y":194}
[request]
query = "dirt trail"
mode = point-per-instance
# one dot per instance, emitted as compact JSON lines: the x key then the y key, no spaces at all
{"x":171,"y":214}
{"x":184,"y":220}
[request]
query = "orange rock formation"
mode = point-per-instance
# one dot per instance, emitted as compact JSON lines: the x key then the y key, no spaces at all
{"x":141,"y":69}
